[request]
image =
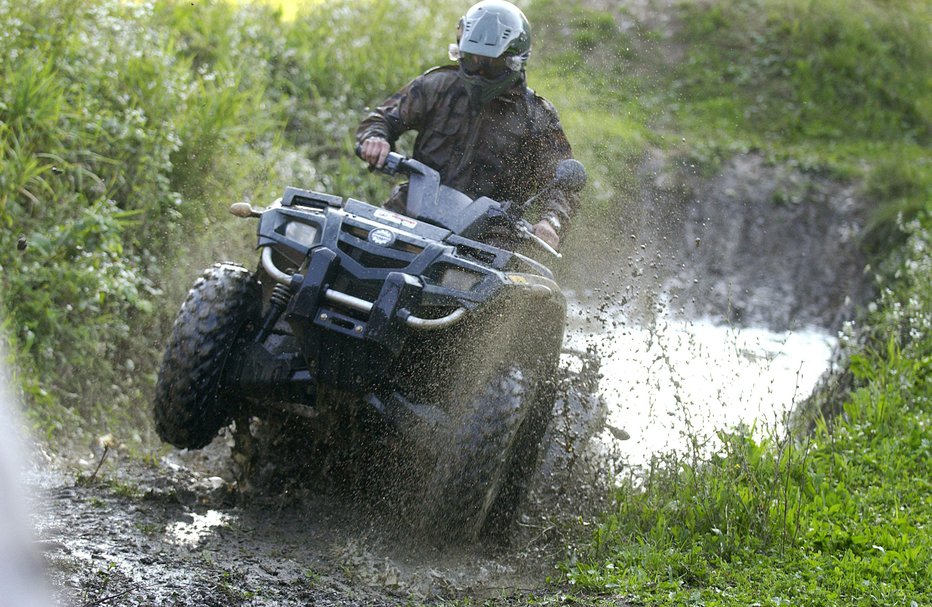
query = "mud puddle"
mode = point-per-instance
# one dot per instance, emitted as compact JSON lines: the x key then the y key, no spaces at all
{"x":175,"y":531}
{"x":672,"y":383}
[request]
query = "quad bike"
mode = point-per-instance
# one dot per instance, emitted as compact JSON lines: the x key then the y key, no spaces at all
{"x":429,"y":322}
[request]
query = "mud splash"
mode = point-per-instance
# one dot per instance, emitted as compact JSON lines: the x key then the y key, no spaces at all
{"x":718,"y":299}
{"x":671,"y":385}
{"x":681,"y":340}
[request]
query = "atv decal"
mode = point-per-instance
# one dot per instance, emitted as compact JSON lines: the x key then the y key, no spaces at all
{"x":395,"y":218}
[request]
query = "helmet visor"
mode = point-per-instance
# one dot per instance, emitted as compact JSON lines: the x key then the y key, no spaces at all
{"x":486,"y":67}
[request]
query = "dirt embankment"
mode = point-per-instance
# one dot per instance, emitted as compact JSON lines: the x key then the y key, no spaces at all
{"x":757,"y":244}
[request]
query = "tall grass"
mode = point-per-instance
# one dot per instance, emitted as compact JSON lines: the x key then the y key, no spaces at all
{"x":125,"y":131}
{"x":836,"y":516}
{"x":809,"y":71}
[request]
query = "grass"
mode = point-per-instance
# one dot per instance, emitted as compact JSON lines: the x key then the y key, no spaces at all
{"x":840,"y":86}
{"x":839,"y":515}
{"x":126,"y":129}
{"x":833,"y":87}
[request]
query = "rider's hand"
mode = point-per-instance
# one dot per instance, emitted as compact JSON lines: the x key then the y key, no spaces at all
{"x":374,"y":150}
{"x":545,"y":231}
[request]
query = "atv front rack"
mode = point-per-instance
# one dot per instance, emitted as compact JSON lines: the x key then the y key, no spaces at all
{"x":358,"y":304}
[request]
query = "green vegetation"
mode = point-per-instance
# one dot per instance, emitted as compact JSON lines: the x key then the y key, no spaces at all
{"x":125,"y":131}
{"x":127,"y":128}
{"x":836,"y":514}
{"x":838,"y":86}
{"x":835,"y":87}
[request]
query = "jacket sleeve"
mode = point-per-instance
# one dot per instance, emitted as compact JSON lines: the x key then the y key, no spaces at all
{"x":403,"y":111}
{"x":553,"y":146}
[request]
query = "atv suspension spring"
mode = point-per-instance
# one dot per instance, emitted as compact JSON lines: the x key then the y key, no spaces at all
{"x":280,"y":297}
{"x":278,"y":301}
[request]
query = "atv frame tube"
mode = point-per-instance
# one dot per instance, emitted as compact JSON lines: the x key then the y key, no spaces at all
{"x":424,"y":324}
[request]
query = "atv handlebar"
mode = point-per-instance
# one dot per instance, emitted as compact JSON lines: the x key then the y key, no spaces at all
{"x":394,"y":162}
{"x":397,"y":163}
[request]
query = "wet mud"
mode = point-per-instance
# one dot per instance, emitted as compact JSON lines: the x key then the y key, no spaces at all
{"x":180,"y":530}
{"x":757,"y":243}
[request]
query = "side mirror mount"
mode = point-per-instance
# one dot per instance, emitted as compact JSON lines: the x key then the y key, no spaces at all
{"x":571,"y":175}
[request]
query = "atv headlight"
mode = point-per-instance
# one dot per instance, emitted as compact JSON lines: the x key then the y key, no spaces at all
{"x":303,"y":233}
{"x":459,"y":279}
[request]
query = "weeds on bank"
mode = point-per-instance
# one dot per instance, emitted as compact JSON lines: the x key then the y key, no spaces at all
{"x":126,"y":129}
{"x":837,"y":516}
{"x":833,"y":87}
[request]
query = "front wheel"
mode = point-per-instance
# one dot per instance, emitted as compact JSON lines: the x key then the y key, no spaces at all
{"x":188,"y":407}
{"x":482,"y":463}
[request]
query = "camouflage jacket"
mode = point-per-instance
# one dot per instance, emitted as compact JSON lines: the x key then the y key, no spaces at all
{"x":506,"y":150}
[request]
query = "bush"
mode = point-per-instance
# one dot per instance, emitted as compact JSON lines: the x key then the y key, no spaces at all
{"x":102,"y":126}
{"x":125,"y":131}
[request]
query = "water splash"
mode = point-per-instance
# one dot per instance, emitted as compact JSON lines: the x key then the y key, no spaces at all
{"x":670,"y":384}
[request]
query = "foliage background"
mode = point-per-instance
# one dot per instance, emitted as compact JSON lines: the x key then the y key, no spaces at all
{"x":125,"y":131}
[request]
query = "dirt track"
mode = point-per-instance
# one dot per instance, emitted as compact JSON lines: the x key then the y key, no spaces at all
{"x":177,"y":532}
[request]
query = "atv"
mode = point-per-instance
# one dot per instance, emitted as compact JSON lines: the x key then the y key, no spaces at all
{"x":431,"y":322}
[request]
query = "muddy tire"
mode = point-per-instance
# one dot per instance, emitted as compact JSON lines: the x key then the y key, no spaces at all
{"x":189,"y":408}
{"x":493,"y":440}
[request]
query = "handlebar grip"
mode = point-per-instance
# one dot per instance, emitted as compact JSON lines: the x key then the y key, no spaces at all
{"x":393,"y":164}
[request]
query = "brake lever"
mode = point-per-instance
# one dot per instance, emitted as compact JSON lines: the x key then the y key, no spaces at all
{"x":521,"y":227}
{"x":527,"y":231}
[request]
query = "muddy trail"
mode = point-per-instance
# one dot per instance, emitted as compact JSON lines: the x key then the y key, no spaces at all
{"x":179,"y":531}
{"x":176,"y":530}
{"x":757,"y":244}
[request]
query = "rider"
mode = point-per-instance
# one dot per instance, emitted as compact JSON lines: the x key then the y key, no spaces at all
{"x":478,"y":123}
